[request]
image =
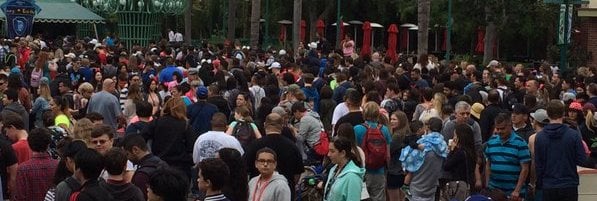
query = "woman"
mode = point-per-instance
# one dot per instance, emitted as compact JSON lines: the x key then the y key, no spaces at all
{"x":237,"y":188}
{"x":243,"y":99}
{"x":82,"y":98}
{"x":346,"y":131}
{"x":133,"y":97}
{"x":15,"y":82}
{"x":153,"y":96}
{"x":59,"y":106}
{"x":42,"y":102}
{"x":82,"y":130}
{"x":575,"y":116}
{"x":345,"y":179}
{"x":460,"y":163}
{"x":243,"y":128}
{"x":172,"y":131}
{"x":38,"y":72}
{"x":400,"y":128}
{"x":424,"y":111}
{"x":97,"y":80}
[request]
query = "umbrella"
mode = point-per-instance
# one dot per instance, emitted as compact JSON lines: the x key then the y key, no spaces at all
{"x":282,"y":32}
{"x":355,"y":22}
{"x":320,"y":27}
{"x":342,"y":29}
{"x":302,"y":33}
{"x":392,"y":39}
{"x":366,"y":49}
{"x":480,"y":47}
{"x":445,"y":40}
{"x":284,"y":22}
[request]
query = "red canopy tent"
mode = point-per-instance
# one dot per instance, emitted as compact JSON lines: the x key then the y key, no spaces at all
{"x":392,"y":40}
{"x":302,"y":33}
{"x":282,"y":36}
{"x":366,"y":49}
{"x":320,"y":27}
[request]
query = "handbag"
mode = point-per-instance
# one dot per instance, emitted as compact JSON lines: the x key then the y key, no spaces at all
{"x":456,"y":190}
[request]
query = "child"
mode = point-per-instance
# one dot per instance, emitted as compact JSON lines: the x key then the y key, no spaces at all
{"x":413,"y":155}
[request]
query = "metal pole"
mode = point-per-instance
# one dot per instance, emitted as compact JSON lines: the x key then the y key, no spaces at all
{"x":449,"y":34}
{"x":564,"y":46}
{"x":95,"y":30}
{"x":338,"y":39}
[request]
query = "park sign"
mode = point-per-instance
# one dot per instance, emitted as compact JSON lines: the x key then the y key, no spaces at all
{"x":19,"y":17}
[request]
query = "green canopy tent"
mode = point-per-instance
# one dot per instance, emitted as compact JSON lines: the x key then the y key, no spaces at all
{"x":63,"y":11}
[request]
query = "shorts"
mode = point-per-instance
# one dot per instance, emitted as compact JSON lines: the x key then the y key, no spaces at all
{"x":395,"y":181}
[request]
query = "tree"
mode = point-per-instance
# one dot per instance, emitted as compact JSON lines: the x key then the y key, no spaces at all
{"x":255,"y":17}
{"x":423,"y":13}
{"x":231,"y":19}
{"x":296,"y":23}
{"x":188,"y":22}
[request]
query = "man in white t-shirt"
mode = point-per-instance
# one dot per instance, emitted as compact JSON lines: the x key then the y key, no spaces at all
{"x":208,"y":144}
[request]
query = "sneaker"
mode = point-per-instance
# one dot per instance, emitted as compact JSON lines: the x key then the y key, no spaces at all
{"x":406,"y":190}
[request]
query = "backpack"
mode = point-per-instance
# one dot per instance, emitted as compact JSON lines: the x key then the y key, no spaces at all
{"x":375,"y":147}
{"x":506,"y":99}
{"x":322,"y":146}
{"x":244,"y":133}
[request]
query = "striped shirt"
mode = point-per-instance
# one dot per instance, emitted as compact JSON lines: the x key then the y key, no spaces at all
{"x":506,"y":159}
{"x":122,"y":96}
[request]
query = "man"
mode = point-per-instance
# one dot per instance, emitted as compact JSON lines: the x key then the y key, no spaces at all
{"x":507,"y":160}
{"x":146,"y":162}
{"x":70,"y":184}
{"x":209,"y":143}
{"x":218,"y":100}
{"x":106,"y":104}
{"x":520,"y":117}
{"x":272,"y":185}
{"x":392,"y":102}
{"x":343,"y":85}
{"x":532,"y":88}
{"x":489,"y":113}
{"x":419,"y":82}
{"x":311,"y":92}
{"x":355,"y":115}
{"x":65,"y":90}
{"x":558,"y":150}
{"x":33,"y":175}
{"x":10,"y":100}
{"x":115,"y":163}
{"x":88,"y":167}
{"x":8,"y":166}
{"x":425,"y":181}
{"x":290,"y":162}
{"x":15,"y":131}
{"x":308,"y":130}
{"x":213,"y":175}
{"x":519,"y":90}
{"x":168,"y":184}
{"x":143,"y":110}
{"x":257,"y":92}
{"x":102,"y":140}
{"x":123,"y":89}
{"x":462,"y":113}
{"x":199,"y":112}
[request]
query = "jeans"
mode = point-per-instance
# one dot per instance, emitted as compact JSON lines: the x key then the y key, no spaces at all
{"x":376,"y":184}
{"x":560,"y":194}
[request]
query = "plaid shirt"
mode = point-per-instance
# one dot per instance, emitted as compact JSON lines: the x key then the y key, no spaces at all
{"x":34,"y":177}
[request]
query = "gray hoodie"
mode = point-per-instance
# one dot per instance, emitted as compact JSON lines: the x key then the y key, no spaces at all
{"x":277,"y":188}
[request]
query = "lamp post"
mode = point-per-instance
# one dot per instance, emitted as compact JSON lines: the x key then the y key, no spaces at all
{"x":338,"y":39}
{"x":449,"y":34}
{"x":267,"y":20}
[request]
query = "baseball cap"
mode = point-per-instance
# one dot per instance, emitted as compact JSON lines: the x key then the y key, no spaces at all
{"x":193,"y":71}
{"x":540,"y":116}
{"x":493,"y":63}
{"x":202,"y":92}
{"x":275,"y":65}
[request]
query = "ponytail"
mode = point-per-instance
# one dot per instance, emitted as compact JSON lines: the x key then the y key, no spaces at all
{"x":590,"y":122}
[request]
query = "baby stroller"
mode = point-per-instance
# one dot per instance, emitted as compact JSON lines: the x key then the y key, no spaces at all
{"x":307,"y":186}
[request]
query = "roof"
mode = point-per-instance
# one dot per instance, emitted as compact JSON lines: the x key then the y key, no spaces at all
{"x":62,"y":11}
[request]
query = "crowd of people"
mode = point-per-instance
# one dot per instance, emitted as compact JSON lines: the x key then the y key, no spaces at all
{"x":88,"y":119}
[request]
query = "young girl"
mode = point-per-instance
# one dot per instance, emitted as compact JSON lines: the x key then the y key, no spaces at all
{"x":243,"y":128}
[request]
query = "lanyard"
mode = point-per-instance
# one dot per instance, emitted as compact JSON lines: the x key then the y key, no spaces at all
{"x":257,"y":197}
{"x":332,"y":181}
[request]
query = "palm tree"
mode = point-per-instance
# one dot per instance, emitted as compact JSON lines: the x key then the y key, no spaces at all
{"x":255,"y":17}
{"x":423,"y":14}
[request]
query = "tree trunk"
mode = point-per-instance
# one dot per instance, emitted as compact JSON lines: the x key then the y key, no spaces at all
{"x":296,"y":23}
{"x":188,"y":22}
{"x":423,"y":14}
{"x":231,"y":20}
{"x":490,"y":34}
{"x":255,"y":17}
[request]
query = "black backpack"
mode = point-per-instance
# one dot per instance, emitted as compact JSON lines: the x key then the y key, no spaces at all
{"x":244,"y":133}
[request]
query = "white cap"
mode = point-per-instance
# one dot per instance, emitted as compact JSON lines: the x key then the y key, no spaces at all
{"x":275,"y":65}
{"x":282,"y":52}
{"x":313,"y":45}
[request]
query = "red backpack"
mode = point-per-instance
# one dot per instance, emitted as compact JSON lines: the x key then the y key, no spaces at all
{"x":375,"y":147}
{"x":323,"y":144}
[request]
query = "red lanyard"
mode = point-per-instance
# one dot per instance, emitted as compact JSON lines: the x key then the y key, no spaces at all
{"x":257,"y":197}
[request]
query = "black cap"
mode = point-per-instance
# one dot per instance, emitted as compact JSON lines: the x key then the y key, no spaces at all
{"x":520,"y":109}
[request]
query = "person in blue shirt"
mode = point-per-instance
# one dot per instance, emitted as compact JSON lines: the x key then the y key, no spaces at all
{"x":375,"y":178}
{"x":508,"y":158}
{"x":168,"y":71}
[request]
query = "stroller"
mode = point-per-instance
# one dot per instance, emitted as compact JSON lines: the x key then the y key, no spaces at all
{"x":307,"y":186}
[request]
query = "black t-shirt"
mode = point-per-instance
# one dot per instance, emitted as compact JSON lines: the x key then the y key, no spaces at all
{"x":354,"y":118}
{"x":290,"y":160}
{"x":7,"y":159}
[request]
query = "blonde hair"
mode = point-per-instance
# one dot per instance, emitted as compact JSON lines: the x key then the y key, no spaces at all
{"x":438,"y":102}
{"x":176,"y":108}
{"x":590,"y":121}
{"x":85,"y":87}
{"x":371,"y":111}
{"x":44,"y":92}
{"x":82,"y":130}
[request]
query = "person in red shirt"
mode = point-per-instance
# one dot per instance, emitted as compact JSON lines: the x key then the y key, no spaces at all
{"x":34,"y":175}
{"x":15,"y":131}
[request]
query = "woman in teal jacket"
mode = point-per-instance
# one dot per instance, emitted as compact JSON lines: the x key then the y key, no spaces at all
{"x":345,"y":179}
